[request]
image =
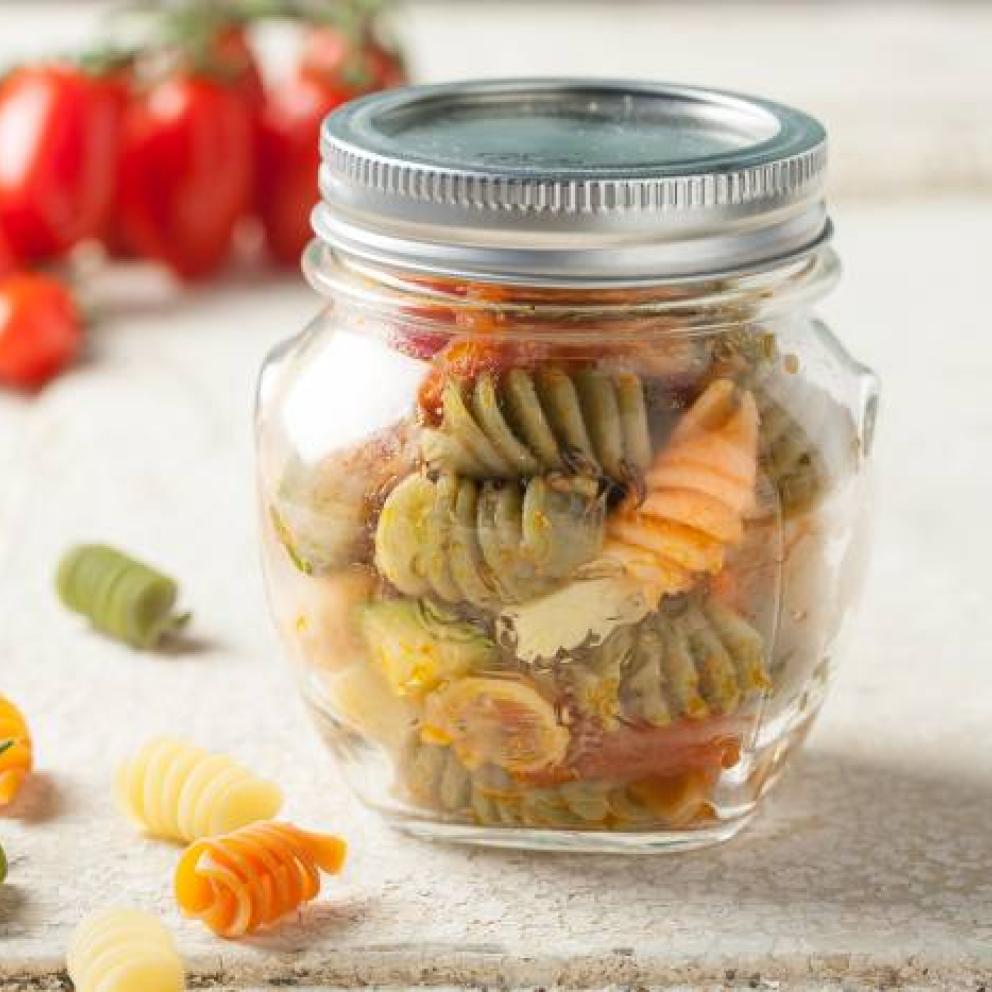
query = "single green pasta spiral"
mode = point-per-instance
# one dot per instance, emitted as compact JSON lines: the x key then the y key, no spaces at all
{"x":120,"y":596}
{"x":529,"y":423}
{"x":692,"y":659}
{"x":488,"y":543}
{"x":790,"y":459}
{"x":432,"y":776}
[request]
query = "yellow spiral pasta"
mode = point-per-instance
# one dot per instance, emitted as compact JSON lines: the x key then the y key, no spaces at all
{"x":697,"y":493}
{"x":180,"y":792}
{"x":124,"y":950}
{"x":16,"y":753}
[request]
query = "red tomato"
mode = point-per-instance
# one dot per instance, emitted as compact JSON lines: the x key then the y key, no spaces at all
{"x":185,"y":172}
{"x":58,"y":146}
{"x":119,"y":86}
{"x":40,"y":329}
{"x":236,"y":62}
{"x":640,"y":752}
{"x":358,"y":66}
{"x":8,"y":261}
{"x":288,"y":158}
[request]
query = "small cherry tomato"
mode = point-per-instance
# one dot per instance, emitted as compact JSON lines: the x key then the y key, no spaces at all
{"x":288,"y":159}
{"x":233,"y":60}
{"x":185,"y":172}
{"x":58,"y":146}
{"x":40,"y":329}
{"x":8,"y":261}
{"x":357,"y":64}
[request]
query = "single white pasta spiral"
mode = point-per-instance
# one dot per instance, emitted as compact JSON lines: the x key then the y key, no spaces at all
{"x":124,"y":950}
{"x":177,"y":791}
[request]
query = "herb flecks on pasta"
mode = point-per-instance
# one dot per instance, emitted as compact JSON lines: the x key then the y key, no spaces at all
{"x":692,"y":659}
{"x":253,"y":877}
{"x":416,"y":645}
{"x":433,"y":776}
{"x":697,"y":493}
{"x":523,"y":424}
{"x":790,"y":459}
{"x":16,"y":751}
{"x":176,"y":791}
{"x":120,"y":596}
{"x":488,"y":543}
{"x":124,"y":950}
{"x":500,"y":721}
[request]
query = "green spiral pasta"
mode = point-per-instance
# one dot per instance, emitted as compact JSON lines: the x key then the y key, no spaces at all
{"x":488,"y":543}
{"x":789,"y":458}
{"x":693,"y":659}
{"x":120,"y":596}
{"x":528,"y":423}
{"x":431,"y":775}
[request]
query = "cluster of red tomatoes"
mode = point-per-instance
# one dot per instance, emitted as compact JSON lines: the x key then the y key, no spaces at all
{"x":162,"y":153}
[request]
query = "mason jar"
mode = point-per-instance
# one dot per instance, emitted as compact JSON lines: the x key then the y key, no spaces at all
{"x":563,"y":492}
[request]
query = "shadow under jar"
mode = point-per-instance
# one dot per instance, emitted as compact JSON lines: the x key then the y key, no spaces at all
{"x":563,"y":492}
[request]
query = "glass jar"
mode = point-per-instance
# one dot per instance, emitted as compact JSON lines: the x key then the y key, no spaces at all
{"x":563,"y":492}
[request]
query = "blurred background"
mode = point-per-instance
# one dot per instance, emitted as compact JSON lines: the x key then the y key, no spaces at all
{"x":904,"y":87}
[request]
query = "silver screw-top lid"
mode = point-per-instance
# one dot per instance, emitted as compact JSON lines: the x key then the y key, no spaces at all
{"x":565,"y":181}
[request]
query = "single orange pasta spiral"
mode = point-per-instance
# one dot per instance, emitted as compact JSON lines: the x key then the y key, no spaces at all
{"x":254,"y":876}
{"x":697,"y":493}
{"x":16,"y":752}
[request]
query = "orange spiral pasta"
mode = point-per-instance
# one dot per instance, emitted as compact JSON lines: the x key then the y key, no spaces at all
{"x":254,"y":876}
{"x":697,"y":493}
{"x":16,"y":753}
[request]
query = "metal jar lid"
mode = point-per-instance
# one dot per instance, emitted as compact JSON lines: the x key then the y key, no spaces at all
{"x":558,"y":181}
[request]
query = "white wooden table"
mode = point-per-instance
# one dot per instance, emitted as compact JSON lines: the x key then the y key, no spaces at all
{"x":871,"y":867}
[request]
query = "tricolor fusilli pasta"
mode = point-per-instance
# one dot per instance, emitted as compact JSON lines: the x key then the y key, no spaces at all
{"x":121,"y":597}
{"x":691,"y":659}
{"x":697,"y":492}
{"x":252,"y":877}
{"x":16,"y":751}
{"x":789,"y":458}
{"x":525,"y":423}
{"x":177,"y":791}
{"x":488,"y":543}
{"x":432,"y":776}
{"x":124,"y":950}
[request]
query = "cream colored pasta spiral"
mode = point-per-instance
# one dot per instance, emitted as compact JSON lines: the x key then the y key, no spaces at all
{"x":488,"y":543}
{"x":124,"y":950}
{"x":180,"y":792}
{"x":527,"y":423}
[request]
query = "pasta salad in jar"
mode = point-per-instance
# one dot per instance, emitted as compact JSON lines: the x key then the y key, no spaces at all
{"x":563,"y":492}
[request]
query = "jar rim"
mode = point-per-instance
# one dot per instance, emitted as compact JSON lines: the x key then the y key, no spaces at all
{"x":687,"y":306}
